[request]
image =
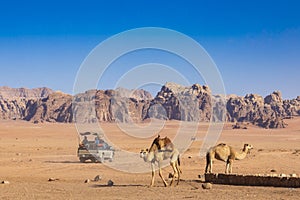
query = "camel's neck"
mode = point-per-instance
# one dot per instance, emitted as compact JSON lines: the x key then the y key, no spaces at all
{"x":149,"y":157}
{"x":241,"y":155}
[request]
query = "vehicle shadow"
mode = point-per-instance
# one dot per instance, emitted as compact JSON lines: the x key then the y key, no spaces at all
{"x":66,"y":161}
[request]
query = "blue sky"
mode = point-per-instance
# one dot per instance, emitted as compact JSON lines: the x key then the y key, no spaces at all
{"x":255,"y":44}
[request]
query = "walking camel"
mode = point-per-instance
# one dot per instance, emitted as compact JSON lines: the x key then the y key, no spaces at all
{"x":227,"y":154}
{"x":162,"y":149}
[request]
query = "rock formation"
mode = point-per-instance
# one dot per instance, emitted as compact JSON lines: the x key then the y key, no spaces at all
{"x":172,"y":102}
{"x":15,"y":93}
{"x":15,"y":102}
{"x":267,"y":112}
{"x":182,"y":103}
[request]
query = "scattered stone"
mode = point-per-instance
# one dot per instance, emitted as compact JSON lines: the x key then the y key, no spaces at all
{"x":189,"y":157}
{"x":97,"y":178}
{"x":30,"y":160}
{"x":18,"y":154}
{"x":240,"y":125}
{"x":275,"y":175}
{"x":110,"y":183}
{"x":87,"y":181}
{"x":4,"y":182}
{"x":293,"y":175}
{"x":53,"y":179}
{"x":207,"y":186}
{"x":273,"y":170}
{"x":282,"y":175}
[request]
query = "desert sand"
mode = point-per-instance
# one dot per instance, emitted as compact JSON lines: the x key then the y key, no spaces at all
{"x":30,"y":154}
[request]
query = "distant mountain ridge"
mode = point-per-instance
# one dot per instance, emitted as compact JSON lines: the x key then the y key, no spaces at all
{"x":13,"y":93}
{"x":173,"y":101}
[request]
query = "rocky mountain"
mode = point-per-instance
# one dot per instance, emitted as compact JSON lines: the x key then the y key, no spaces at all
{"x":16,"y":93}
{"x":111,"y":105}
{"x":14,"y":102}
{"x":173,"y":101}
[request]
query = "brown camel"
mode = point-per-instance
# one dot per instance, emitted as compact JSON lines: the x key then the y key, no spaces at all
{"x":162,"y":149}
{"x":227,"y":154}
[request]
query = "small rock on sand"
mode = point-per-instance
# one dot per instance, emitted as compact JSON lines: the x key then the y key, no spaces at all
{"x":53,"y":179}
{"x":87,"y":181}
{"x":97,"y":178}
{"x":110,"y":183}
{"x":4,"y":182}
{"x":207,"y":186}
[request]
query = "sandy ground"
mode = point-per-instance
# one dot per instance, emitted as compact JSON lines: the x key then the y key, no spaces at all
{"x":30,"y":154}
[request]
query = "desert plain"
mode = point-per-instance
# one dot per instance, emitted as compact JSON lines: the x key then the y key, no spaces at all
{"x":31,"y":153}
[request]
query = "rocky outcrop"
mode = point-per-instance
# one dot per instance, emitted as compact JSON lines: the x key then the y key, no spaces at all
{"x":182,"y":103}
{"x":15,"y":102}
{"x":12,"y":109}
{"x":111,"y":106}
{"x":16,"y":93}
{"x":292,"y":107}
{"x":57,"y":107}
{"x":172,"y":102}
{"x":267,"y":112}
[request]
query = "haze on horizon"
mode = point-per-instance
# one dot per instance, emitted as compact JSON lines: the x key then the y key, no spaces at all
{"x":256,"y":45}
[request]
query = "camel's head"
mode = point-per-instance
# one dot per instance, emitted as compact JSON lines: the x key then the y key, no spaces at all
{"x":144,"y":153}
{"x":248,"y":147}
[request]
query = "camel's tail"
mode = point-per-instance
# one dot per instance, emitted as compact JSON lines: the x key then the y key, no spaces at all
{"x":178,"y":160}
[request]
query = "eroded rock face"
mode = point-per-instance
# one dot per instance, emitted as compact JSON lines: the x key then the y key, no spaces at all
{"x":57,"y":107}
{"x":173,"y":101}
{"x":14,"y":102}
{"x":16,"y":93}
{"x":266,"y":112}
{"x":292,"y":107}
{"x":111,"y":106}
{"x":182,"y":103}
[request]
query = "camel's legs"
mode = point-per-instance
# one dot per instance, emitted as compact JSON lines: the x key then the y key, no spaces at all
{"x":209,"y":165}
{"x":178,"y":172}
{"x":161,"y":176}
{"x":228,"y":166}
{"x":178,"y":168}
{"x":153,"y":174}
{"x":173,"y":164}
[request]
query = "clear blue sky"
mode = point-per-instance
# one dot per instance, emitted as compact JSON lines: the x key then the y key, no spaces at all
{"x":255,"y":44}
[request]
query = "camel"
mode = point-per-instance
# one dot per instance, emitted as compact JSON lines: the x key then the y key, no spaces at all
{"x":227,"y":154}
{"x":162,"y":149}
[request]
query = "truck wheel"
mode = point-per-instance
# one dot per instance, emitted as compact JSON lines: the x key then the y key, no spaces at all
{"x":93,"y":160}
{"x":101,"y":160}
{"x":82,"y":160}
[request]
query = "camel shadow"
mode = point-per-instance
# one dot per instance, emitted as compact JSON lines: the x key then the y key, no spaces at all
{"x":191,"y":183}
{"x":121,"y":185}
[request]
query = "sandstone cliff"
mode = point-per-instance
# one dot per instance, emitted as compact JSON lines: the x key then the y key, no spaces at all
{"x":173,"y":101}
{"x":15,"y":93}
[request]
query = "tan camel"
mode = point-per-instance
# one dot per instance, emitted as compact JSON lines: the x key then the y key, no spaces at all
{"x":162,"y":149}
{"x":227,"y":154}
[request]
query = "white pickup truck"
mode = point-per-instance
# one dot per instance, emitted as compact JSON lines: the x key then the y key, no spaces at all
{"x":95,"y":151}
